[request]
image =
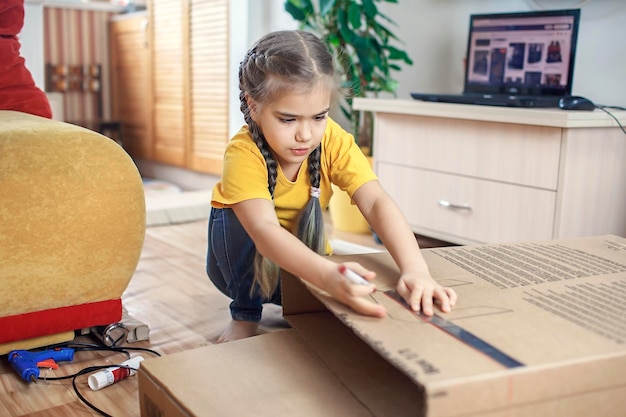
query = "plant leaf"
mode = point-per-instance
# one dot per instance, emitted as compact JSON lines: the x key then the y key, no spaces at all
{"x":370,"y":8}
{"x":326,"y":6}
{"x":299,"y":9}
{"x":295,"y":12}
{"x":346,"y":33}
{"x":354,"y":15}
{"x":398,"y":55}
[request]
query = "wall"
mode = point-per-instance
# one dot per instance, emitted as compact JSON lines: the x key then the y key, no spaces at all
{"x":31,"y":39}
{"x":439,"y":30}
{"x":435,"y":35}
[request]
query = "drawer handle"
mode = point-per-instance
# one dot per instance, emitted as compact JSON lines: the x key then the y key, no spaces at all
{"x":453,"y":206}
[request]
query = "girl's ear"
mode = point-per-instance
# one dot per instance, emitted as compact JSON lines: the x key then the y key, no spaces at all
{"x":252,"y":106}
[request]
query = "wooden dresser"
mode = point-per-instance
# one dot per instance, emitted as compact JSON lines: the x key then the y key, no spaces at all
{"x":478,"y":174}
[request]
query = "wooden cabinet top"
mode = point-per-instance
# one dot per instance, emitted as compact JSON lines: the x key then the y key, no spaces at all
{"x":539,"y":117}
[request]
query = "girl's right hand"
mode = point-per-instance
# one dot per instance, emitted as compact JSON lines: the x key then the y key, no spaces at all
{"x":353,"y":295}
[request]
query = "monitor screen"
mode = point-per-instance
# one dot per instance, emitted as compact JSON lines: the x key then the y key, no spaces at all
{"x":522,"y":53}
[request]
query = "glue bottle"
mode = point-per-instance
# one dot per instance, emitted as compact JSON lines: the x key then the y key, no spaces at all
{"x":111,"y":375}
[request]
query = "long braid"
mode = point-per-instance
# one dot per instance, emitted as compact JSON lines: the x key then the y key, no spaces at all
{"x":257,"y":135}
{"x":277,"y":63}
{"x":261,"y":143}
{"x":310,"y":229}
{"x":266,"y":272}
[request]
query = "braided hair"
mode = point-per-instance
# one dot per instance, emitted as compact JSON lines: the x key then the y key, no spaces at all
{"x":279,"y":62}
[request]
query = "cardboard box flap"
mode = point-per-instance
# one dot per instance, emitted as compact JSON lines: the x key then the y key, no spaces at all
{"x":270,"y":375}
{"x":376,"y":383}
{"x":554,"y":308}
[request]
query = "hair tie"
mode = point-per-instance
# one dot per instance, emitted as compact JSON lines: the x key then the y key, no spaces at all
{"x":315,"y":192}
{"x":253,"y":55}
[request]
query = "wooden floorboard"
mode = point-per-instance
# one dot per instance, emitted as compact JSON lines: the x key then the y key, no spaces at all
{"x":169,"y":292}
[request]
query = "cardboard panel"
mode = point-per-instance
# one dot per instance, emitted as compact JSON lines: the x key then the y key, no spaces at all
{"x":607,"y":403}
{"x":539,"y":330}
{"x":296,"y":298}
{"x":377,"y":384}
{"x":270,"y":375}
{"x":553,"y":309}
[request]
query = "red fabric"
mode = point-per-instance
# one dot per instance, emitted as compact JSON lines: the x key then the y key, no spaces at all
{"x":17,"y":87}
{"x":58,"y":320}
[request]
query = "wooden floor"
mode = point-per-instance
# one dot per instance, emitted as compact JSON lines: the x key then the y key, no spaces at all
{"x":169,"y":292}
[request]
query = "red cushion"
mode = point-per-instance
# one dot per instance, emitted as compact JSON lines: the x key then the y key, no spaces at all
{"x":59,"y":320}
{"x":17,"y":88}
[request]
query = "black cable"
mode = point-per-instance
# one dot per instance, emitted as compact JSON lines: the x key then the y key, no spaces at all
{"x":612,"y":107}
{"x":86,"y":347}
{"x":80,"y":396}
{"x":604,"y":109}
{"x":76,"y":390}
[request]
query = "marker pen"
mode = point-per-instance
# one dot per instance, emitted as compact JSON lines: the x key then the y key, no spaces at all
{"x":352,"y":276}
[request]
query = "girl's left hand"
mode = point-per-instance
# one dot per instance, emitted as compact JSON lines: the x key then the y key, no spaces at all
{"x":421,"y":291}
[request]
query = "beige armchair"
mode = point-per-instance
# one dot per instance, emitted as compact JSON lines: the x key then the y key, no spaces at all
{"x":72,"y":226}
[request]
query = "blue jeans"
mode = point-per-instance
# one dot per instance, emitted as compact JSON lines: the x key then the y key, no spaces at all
{"x":230,"y":265}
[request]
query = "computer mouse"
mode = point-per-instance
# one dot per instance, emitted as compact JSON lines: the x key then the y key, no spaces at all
{"x":576,"y":103}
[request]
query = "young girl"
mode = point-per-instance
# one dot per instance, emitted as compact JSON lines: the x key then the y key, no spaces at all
{"x":276,"y":181}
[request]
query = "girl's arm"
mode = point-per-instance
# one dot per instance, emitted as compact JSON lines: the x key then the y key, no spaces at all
{"x":416,"y":285}
{"x":258,"y":218}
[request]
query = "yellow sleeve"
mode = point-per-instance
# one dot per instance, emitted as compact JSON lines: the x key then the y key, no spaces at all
{"x":349,"y":168}
{"x":244,"y":175}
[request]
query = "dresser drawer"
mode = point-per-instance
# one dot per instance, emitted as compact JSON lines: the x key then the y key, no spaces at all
{"x":505,"y":152}
{"x":467,"y":210}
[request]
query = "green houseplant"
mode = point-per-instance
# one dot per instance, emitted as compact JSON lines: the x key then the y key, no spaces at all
{"x":357,"y":35}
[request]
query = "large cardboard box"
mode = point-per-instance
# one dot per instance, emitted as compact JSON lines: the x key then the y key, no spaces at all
{"x":539,"y":330}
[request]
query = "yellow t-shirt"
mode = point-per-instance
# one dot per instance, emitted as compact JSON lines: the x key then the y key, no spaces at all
{"x":244,"y":175}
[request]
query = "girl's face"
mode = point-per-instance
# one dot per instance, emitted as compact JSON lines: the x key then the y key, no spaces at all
{"x":293,"y":125}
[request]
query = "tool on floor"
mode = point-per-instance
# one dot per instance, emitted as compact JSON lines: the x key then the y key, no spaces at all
{"x":27,"y":363}
{"x":114,"y":334}
{"x":129,"y":330}
{"x":110,"y":376}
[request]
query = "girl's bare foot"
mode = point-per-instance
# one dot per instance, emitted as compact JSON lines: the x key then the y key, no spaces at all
{"x":238,"y":330}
